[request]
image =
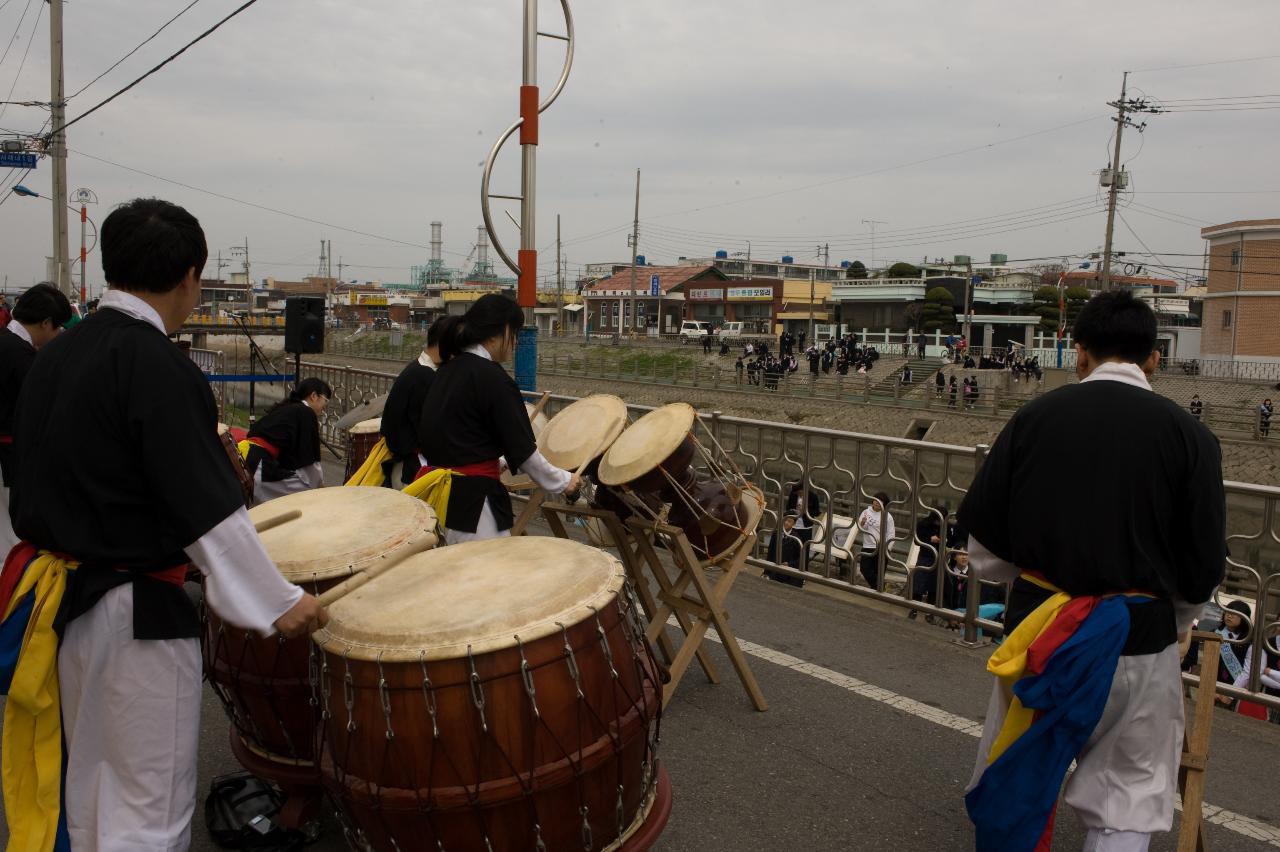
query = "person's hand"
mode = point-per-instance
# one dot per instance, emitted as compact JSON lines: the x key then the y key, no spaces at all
{"x":303,"y":618}
{"x":575,"y":485}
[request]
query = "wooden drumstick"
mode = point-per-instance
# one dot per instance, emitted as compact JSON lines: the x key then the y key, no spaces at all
{"x":271,"y":523}
{"x":332,"y":595}
{"x":539,"y":405}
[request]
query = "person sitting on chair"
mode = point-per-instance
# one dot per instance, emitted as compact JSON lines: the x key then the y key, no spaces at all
{"x":784,"y":549}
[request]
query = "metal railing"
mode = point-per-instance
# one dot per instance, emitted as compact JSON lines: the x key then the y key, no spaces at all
{"x":212,"y":362}
{"x":922,"y":480}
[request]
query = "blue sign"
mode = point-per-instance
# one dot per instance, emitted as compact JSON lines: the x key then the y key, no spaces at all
{"x":18,"y":161}
{"x":655,"y":288}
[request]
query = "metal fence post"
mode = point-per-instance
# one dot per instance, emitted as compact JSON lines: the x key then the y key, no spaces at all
{"x":882,"y":547}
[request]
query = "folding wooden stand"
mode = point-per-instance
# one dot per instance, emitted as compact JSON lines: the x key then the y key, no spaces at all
{"x":1195,"y":750}
{"x":536,"y":498}
{"x":694,"y":599}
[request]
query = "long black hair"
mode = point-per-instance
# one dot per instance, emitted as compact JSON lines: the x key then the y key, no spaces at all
{"x":305,"y":388}
{"x":492,"y":315}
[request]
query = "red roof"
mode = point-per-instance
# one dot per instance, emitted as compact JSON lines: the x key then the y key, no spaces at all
{"x":669,"y":278}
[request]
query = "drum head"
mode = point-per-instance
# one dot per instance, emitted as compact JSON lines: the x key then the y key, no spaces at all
{"x":478,"y":596}
{"x":366,"y":426}
{"x":646,"y":443}
{"x":517,"y":481}
{"x":344,"y":530}
{"x":583,"y":431}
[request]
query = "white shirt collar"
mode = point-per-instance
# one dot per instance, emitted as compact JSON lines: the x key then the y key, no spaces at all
{"x":479,"y":349}
{"x":130,"y":305}
{"x":425,"y":360}
{"x":1126,"y":374}
{"x":20,"y":330}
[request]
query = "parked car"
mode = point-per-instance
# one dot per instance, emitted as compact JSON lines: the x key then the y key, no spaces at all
{"x":692,"y":331}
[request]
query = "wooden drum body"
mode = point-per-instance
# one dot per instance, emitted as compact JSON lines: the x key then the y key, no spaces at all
{"x":496,"y":695}
{"x":265,"y":683}
{"x":361,"y":439}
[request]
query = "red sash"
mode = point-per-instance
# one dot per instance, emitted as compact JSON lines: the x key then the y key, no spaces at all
{"x":487,"y":468}
{"x":272,"y":449}
{"x":6,"y":439}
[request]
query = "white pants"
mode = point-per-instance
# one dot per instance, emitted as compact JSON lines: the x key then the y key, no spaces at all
{"x":1126,"y":775}
{"x":486,"y":528}
{"x":131,"y":721}
{"x":302,"y":479}
{"x":8,"y":538}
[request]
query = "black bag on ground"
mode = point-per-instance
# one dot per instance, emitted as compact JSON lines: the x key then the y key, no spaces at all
{"x":241,"y":812}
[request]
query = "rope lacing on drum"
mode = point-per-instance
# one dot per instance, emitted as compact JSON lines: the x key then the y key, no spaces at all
{"x":385,"y":694}
{"x":477,"y":691}
{"x":429,"y":695}
{"x":348,"y":697}
{"x":571,"y":660}
{"x":527,"y":676}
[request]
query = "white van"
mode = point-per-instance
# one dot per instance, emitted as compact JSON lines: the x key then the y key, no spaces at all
{"x":692,"y":331}
{"x":730,"y":332}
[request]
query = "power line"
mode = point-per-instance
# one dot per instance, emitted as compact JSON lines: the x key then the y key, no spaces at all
{"x":9,"y":44}
{"x":184,"y":49}
{"x":135,"y":50}
{"x":1206,"y":64}
{"x":23,"y":63}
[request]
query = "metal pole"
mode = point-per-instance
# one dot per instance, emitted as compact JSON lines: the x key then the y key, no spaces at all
{"x":635,"y":246}
{"x":527,"y":258}
{"x":84,"y":218}
{"x":559,"y":280}
{"x":812,"y":289}
{"x":968,"y":297}
{"x":58,"y":150}
{"x":1104,"y":283}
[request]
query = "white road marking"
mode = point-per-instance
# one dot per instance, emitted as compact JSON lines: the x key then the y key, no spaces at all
{"x":1229,"y":820}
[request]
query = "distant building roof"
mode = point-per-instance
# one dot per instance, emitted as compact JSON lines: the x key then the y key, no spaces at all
{"x":669,"y":278}
{"x":1240,"y":225}
{"x":1085,"y":276}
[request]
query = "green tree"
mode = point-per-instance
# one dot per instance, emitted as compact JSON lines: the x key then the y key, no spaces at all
{"x":857,"y":270}
{"x":939,"y":312}
{"x":1045,"y":306}
{"x":902,"y":270}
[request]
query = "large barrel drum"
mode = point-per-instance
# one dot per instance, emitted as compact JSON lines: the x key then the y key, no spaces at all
{"x":264,"y":683}
{"x":495,"y":695}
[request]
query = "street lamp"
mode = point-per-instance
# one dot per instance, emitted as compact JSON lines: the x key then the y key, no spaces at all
{"x":83,"y":196}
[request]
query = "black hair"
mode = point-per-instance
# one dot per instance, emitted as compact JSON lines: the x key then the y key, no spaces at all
{"x":308,"y":386}
{"x":149,"y":245}
{"x":42,"y":302}
{"x":1116,"y":325}
{"x":437,"y":329}
{"x":491,"y":316}
{"x":883,"y":497}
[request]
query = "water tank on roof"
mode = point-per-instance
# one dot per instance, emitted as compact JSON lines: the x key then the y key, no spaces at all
{"x":999,"y":259}
{"x":722,"y":255}
{"x":639,"y":260}
{"x":844,"y":264}
{"x":961,"y":259}
{"x":786,"y":258}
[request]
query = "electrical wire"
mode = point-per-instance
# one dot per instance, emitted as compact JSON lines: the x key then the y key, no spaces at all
{"x":23,"y":63}
{"x":135,"y":50}
{"x":184,"y":49}
{"x":9,"y":44}
{"x":1206,"y":64}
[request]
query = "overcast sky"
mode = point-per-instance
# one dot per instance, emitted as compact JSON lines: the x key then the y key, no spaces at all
{"x":786,"y":124}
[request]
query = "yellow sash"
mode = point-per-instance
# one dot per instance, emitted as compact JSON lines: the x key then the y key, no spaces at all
{"x":32,"y":736}
{"x":433,"y":488}
{"x":370,"y":473}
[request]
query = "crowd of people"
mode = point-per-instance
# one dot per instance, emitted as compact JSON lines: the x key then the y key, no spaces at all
{"x":759,"y":365}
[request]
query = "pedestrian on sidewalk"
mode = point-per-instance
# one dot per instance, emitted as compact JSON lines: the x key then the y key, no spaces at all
{"x":1196,"y":407}
{"x":869,"y":523}
{"x":951,"y":403}
{"x":1106,"y":597}
{"x":1264,"y":418}
{"x":939,"y":383}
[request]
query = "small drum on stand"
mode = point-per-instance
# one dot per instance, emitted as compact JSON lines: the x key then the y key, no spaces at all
{"x":237,"y":463}
{"x":361,"y":439}
{"x":522,"y":481}
{"x":577,"y":437}
{"x":661,"y":456}
{"x":495,"y":695}
{"x":264,"y":683}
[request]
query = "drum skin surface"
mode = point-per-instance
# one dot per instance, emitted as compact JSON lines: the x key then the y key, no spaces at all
{"x":583,"y":431}
{"x":490,"y":695}
{"x":264,"y":683}
{"x":647,"y":443}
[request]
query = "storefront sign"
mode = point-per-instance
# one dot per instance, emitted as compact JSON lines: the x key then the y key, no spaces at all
{"x":712,"y":295}
{"x":750,"y":294}
{"x":368,"y":299}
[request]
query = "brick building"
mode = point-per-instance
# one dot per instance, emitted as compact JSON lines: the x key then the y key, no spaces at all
{"x":1241,"y":316}
{"x":609,"y":300}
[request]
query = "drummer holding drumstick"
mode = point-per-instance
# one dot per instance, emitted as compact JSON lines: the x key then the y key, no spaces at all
{"x":473,"y":419}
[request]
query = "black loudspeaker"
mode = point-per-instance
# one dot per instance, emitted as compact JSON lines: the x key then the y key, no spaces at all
{"x":304,"y":324}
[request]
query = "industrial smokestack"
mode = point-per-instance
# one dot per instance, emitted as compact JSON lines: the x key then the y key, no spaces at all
{"x":436,"y":242}
{"x":482,"y":249}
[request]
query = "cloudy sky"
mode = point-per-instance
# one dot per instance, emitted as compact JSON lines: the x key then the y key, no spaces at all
{"x":971,"y":127}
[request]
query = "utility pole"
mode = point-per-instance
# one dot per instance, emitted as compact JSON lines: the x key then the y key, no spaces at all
{"x":813,"y":275}
{"x":248,"y":280}
{"x":559,"y":280}
{"x":635,"y":247}
{"x":873,"y":223}
{"x":58,"y":149}
{"x":341,"y":266}
{"x":968,"y":302}
{"x":1114,"y":177}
